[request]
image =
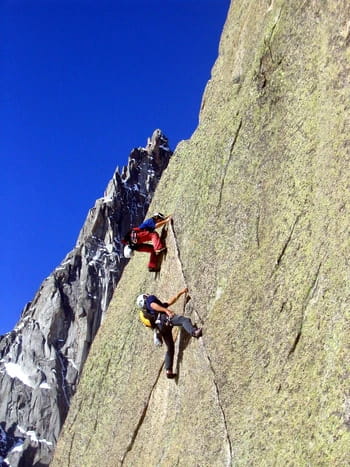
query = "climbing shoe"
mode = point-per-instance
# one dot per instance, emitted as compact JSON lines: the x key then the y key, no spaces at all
{"x":154,"y":269}
{"x":170,"y":374}
{"x":197,"y":333}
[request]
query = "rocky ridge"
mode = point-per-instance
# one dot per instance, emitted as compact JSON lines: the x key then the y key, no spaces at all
{"x":42,"y":358}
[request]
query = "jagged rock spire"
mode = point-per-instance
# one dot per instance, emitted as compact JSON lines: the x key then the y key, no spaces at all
{"x":42,"y":358}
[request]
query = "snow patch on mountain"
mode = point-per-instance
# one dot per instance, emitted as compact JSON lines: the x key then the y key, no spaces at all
{"x":14,"y":370}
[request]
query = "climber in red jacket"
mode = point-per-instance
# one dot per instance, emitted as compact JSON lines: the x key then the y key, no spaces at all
{"x":136,"y":237}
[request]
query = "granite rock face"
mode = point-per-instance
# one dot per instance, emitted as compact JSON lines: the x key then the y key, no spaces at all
{"x":261,"y":204}
{"x":42,"y":358}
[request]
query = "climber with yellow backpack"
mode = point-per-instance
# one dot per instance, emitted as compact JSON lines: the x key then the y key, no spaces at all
{"x":136,"y":238}
{"x":157,"y":315}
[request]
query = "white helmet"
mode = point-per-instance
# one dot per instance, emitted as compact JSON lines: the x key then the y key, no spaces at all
{"x":158,"y":215}
{"x":140,"y":301}
{"x":128,"y":252}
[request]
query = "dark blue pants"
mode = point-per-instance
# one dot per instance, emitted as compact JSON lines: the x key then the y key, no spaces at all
{"x":166,"y":332}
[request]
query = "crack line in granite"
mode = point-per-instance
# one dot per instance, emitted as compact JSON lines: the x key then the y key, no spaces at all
{"x":141,"y":419}
{"x":205,"y":350}
{"x":235,"y":137}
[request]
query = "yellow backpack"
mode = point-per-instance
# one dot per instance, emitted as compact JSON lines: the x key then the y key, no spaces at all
{"x":146,"y":319}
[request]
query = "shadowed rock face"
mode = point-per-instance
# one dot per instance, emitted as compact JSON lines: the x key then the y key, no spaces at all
{"x":42,"y":358}
{"x":261,"y":199}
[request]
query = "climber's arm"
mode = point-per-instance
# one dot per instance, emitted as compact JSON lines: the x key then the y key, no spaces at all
{"x":176,"y":297}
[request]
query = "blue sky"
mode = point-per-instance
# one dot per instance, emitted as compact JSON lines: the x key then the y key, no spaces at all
{"x":82,"y":84}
